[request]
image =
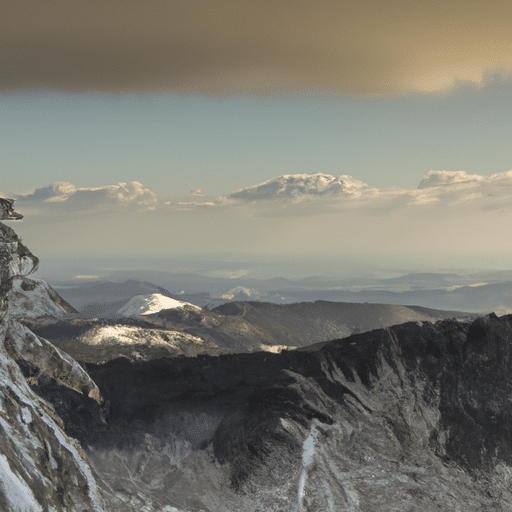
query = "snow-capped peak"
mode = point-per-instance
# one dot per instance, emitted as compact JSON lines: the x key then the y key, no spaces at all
{"x":149,"y":304}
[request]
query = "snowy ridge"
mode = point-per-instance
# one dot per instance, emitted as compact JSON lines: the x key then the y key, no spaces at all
{"x":149,"y":304}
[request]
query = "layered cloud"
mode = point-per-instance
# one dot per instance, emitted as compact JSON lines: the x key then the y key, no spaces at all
{"x":310,"y":191}
{"x":65,"y":196}
{"x":443,"y":178}
{"x":224,"y":47}
{"x":293,"y":194}
{"x":453,"y":213}
{"x":300,"y":187}
{"x":58,"y":191}
{"x":456,"y":188}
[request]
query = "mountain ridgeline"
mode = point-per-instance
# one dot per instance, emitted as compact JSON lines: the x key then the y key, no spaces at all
{"x":230,"y":328}
{"x":411,"y":417}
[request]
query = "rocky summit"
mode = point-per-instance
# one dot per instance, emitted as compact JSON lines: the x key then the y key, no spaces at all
{"x":413,"y":417}
{"x":7,"y":210}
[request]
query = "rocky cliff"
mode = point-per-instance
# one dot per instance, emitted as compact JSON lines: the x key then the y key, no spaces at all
{"x":414,"y":417}
{"x":7,"y":210}
{"x":41,"y":468}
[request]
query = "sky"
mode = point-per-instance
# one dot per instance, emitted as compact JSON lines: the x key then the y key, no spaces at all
{"x":363,"y":130}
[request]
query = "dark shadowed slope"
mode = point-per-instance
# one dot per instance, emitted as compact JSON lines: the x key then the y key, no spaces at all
{"x":415,"y":417}
{"x":356,"y":316}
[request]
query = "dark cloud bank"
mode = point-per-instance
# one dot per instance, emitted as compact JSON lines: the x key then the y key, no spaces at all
{"x":367,"y":47}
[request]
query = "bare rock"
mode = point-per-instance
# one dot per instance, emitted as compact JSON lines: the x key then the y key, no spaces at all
{"x":7,"y":210}
{"x":41,"y":468}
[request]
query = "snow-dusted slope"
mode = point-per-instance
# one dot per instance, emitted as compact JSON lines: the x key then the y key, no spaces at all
{"x":35,"y":298}
{"x":149,"y":304}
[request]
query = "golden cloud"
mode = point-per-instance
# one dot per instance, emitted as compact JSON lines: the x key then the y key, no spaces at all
{"x":361,"y":47}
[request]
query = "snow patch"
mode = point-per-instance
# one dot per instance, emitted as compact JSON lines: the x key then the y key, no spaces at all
{"x":308,"y":453}
{"x":241,"y":293}
{"x":275,"y":349}
{"x":26,"y":416}
{"x":176,"y":450}
{"x":53,"y":462}
{"x":129,"y":335}
{"x":18,"y":494}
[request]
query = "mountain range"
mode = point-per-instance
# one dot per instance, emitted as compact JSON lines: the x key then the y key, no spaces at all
{"x":478,"y":292}
{"x":230,"y":328}
{"x":413,"y":417}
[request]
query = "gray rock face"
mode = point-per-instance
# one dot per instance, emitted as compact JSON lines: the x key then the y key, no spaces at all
{"x":35,"y":298}
{"x":41,"y":468}
{"x":7,"y":210}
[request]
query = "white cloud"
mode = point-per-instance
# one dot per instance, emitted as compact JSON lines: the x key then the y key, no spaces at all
{"x":304,"y":195}
{"x":299,"y":187}
{"x":456,"y":188}
{"x":292,"y":195}
{"x":501,"y":177}
{"x":122,"y":194}
{"x":65,"y":196}
{"x":308,"y":194}
{"x":444,"y":178}
{"x":299,"y":215}
{"x":58,"y":191}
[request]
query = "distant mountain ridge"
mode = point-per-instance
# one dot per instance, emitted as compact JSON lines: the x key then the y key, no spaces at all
{"x":233,"y":327}
{"x":480,"y":292}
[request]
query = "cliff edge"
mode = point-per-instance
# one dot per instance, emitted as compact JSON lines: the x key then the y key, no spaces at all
{"x":41,"y":468}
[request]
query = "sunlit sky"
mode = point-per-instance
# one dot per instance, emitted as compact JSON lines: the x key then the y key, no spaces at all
{"x":120,"y":117}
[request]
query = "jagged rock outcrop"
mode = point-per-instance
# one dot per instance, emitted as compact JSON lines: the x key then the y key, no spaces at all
{"x":41,"y":468}
{"x":7,"y":210}
{"x":15,"y":258}
{"x":34,"y":298}
{"x":26,"y":297}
